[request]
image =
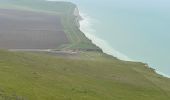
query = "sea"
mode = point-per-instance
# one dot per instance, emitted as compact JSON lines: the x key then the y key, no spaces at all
{"x":131,"y":30}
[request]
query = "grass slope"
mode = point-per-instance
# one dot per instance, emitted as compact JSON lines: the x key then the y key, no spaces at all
{"x":28,"y":76}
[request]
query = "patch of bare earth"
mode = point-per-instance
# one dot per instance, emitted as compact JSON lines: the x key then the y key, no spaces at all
{"x":30,"y":30}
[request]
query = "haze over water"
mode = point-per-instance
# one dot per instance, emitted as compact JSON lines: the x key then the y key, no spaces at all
{"x":137,"y":29}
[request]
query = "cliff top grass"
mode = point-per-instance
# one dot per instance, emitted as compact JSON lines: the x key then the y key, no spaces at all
{"x":31,"y":76}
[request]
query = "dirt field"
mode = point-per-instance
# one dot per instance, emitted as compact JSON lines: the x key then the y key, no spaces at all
{"x":30,"y":30}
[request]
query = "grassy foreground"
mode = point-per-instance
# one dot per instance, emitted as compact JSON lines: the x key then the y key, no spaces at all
{"x":28,"y":76}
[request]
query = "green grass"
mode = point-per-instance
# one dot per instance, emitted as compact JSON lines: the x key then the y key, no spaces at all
{"x":42,"y":77}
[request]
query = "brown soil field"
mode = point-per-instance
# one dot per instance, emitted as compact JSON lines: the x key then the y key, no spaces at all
{"x":30,"y":30}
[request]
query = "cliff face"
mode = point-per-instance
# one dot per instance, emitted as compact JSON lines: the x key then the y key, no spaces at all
{"x":77,"y":17}
{"x":85,"y":42}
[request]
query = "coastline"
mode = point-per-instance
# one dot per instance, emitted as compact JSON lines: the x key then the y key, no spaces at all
{"x":89,"y":32}
{"x":85,"y":25}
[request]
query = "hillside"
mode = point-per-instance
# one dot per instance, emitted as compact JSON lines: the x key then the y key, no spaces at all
{"x":30,"y":76}
{"x":64,"y":10}
{"x":77,"y":70}
{"x":30,"y":30}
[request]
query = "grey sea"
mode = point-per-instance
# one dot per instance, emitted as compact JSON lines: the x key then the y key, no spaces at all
{"x":135,"y":30}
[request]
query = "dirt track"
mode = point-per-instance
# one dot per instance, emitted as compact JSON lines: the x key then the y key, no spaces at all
{"x":30,"y":30}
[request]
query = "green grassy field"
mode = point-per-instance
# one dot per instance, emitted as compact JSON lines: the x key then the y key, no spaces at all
{"x":30,"y":76}
{"x":87,"y":76}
